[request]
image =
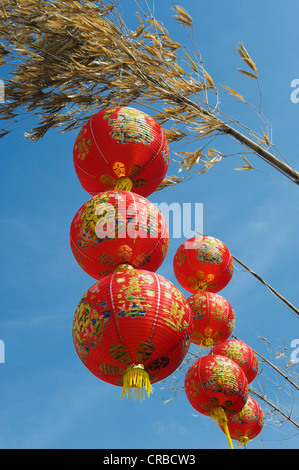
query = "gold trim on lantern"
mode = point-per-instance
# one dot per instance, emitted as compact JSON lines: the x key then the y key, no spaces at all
{"x":123,"y":267}
{"x":136,"y":379}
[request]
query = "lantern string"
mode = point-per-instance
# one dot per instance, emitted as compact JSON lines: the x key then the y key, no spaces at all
{"x":218,"y":415}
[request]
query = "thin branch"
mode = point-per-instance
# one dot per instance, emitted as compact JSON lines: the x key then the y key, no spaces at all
{"x":263,"y":397}
{"x":265,"y":154}
{"x":283,"y":299}
{"x":273,"y":367}
{"x":275,"y":407}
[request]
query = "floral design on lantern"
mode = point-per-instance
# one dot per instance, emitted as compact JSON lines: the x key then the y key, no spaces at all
{"x":203,"y":264}
{"x":123,"y":334}
{"x":121,"y":148}
{"x":216,"y":381}
{"x":117,"y":227}
{"x":213,"y":318}
{"x":241,"y":353}
{"x":209,"y":250}
{"x":130,"y":125}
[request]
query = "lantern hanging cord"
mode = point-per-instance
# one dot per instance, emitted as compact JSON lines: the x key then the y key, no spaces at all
{"x":219,"y":416}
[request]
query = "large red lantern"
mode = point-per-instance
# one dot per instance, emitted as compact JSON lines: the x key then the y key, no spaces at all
{"x":216,"y":386}
{"x":132,"y":328}
{"x":241,"y":353}
{"x":246,"y":425}
{"x":117,"y":227}
{"x":213,"y":318}
{"x":121,"y":148}
{"x":203,"y":264}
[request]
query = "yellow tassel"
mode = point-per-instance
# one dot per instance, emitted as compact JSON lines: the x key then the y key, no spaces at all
{"x":218,"y":415}
{"x":124,"y":184}
{"x":136,"y":379}
{"x":243,"y":441}
{"x":207,"y":343}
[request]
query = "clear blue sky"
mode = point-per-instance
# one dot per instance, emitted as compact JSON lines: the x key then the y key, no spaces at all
{"x":48,"y":399}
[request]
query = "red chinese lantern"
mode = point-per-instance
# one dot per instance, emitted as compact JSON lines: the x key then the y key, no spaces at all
{"x":132,"y":328}
{"x":213,"y":318}
{"x":216,"y":386}
{"x":203,"y":264}
{"x":246,"y":425}
{"x":241,"y":353}
{"x":121,"y":148}
{"x":118,"y":227}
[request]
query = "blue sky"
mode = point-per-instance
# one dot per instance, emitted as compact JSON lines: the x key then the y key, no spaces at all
{"x":48,"y":399}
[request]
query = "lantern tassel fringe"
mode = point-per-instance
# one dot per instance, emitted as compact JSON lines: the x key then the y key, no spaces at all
{"x":243,"y":441}
{"x":207,"y":343}
{"x":219,"y":417}
{"x":136,"y":380}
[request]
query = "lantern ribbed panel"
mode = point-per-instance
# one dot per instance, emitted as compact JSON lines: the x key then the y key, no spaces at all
{"x":213,"y":318}
{"x":117,"y":227}
{"x":241,"y":353}
{"x":216,"y":381}
{"x":121,"y":142}
{"x":132,"y":317}
{"x":247,"y":424}
{"x":203,"y":264}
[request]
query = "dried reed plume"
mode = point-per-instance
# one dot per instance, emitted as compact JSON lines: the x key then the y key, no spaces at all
{"x":72,"y":59}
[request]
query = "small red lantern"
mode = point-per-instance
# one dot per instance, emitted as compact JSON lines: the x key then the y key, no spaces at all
{"x":216,"y":386}
{"x":121,"y":148}
{"x":118,"y":227}
{"x":241,"y":353}
{"x":246,"y":425}
{"x":213,"y":318}
{"x":203,"y":264}
{"x":132,"y":328}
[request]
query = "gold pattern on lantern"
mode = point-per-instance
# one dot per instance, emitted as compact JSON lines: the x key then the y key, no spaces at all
{"x":119,"y":169}
{"x":82,"y":145}
{"x":124,"y":252}
{"x":121,"y":181}
{"x":202,"y":284}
